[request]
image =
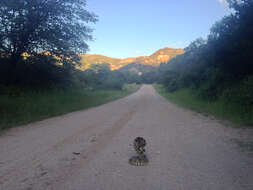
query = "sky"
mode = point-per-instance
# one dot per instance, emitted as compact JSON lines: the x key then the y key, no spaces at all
{"x":130,"y":28}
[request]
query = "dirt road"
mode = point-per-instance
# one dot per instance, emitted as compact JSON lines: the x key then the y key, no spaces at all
{"x":89,"y":150}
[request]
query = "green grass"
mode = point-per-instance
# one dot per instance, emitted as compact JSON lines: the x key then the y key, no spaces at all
{"x":220,"y":109}
{"x":34,"y":106}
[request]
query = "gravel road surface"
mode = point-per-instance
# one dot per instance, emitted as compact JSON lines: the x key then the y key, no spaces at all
{"x":89,"y":150}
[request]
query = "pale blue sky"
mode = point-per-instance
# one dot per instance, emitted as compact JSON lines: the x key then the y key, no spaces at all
{"x":129,"y":28}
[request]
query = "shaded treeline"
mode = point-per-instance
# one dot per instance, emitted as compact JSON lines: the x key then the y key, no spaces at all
{"x":40,"y":41}
{"x":220,"y":65}
{"x":220,"y":68}
{"x":43,"y":72}
{"x":139,"y":73}
{"x":39,"y":46}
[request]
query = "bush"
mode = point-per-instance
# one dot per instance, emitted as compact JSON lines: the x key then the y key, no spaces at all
{"x":240,"y":94}
{"x":38,"y":71}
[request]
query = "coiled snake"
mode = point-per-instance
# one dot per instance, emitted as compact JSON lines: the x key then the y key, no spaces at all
{"x":141,"y":159}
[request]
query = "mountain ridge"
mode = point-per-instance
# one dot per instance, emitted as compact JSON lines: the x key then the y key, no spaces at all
{"x":155,"y":59}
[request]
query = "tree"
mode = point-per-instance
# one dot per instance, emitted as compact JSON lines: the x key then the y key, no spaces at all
{"x":34,"y":26}
{"x":221,"y":62}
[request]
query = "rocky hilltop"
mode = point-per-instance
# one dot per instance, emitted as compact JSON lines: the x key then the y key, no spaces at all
{"x":160,"y":56}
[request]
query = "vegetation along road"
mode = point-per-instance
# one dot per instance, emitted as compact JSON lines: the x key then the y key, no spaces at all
{"x":90,"y":150}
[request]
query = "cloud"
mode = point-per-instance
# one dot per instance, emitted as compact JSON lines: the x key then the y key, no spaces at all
{"x":222,"y":1}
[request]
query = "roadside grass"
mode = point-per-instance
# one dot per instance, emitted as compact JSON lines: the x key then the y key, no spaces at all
{"x":30,"y":106}
{"x":220,"y":109}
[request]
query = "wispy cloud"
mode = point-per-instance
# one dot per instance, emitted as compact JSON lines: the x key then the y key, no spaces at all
{"x":223,"y":2}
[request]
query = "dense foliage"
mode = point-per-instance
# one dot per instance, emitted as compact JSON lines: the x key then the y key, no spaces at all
{"x":32,"y":26}
{"x":40,"y":46}
{"x":40,"y":40}
{"x":222,"y":65}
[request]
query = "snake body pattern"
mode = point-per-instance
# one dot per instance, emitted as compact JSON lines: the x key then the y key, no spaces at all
{"x":141,"y":159}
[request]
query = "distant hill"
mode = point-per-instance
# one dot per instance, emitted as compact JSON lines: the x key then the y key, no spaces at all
{"x":160,"y":56}
{"x":137,"y":68}
{"x":89,"y":59}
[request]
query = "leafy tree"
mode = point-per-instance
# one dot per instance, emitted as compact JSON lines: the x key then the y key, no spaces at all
{"x":220,"y":63}
{"x":33,"y":26}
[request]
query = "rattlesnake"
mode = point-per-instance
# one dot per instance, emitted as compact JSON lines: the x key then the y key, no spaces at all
{"x":141,"y":159}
